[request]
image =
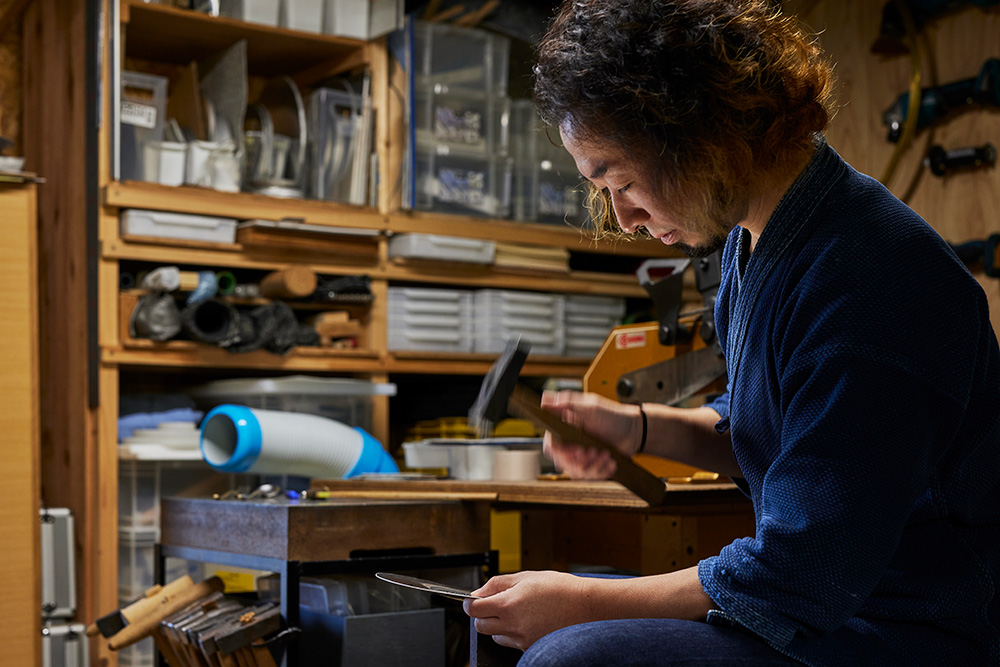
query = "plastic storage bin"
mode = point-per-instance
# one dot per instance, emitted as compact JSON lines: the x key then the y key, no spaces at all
{"x":430,"y":320}
{"x":589,"y":320}
{"x":163,"y":224}
{"x":362,"y":19}
{"x":254,"y":11}
{"x":462,"y":185}
{"x":449,"y":58}
{"x":442,"y":248}
{"x":306,"y":15}
{"x":142,"y":115}
{"x":535,"y":316}
{"x":347,"y":400}
{"x":334,"y":117}
{"x":139,"y":654}
{"x":136,"y":561}
{"x":471,"y":124}
{"x":547,"y":185}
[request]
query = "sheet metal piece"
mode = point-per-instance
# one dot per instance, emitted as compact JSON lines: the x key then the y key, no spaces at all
{"x":426,"y":586}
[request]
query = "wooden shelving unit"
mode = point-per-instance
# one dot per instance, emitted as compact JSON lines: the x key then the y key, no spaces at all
{"x":88,"y":351}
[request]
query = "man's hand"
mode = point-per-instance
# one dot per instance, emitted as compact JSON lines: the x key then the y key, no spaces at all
{"x":613,"y":422}
{"x":518,"y":609}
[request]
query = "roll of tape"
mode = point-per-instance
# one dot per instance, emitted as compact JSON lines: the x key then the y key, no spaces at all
{"x":516,"y":465}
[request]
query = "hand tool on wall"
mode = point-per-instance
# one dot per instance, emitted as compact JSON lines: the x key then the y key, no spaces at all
{"x":941,"y":161}
{"x":937,"y":103}
{"x":984,"y":251}
{"x":500,"y":393}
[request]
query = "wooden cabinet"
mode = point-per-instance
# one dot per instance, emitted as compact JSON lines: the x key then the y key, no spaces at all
{"x":20,"y":618}
{"x":88,"y":354}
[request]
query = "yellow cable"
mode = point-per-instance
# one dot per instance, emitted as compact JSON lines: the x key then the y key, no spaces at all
{"x":913,"y":109}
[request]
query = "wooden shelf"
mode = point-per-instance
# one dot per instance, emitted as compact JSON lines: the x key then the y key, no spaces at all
{"x":240,"y":205}
{"x":513,"y":231}
{"x":576,"y":282}
{"x":190,"y":354}
{"x":232,"y":256}
{"x":199,"y":355}
{"x":438,"y":363}
{"x":157,"y":32}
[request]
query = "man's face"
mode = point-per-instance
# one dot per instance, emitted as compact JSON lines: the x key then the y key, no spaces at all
{"x":639,"y":198}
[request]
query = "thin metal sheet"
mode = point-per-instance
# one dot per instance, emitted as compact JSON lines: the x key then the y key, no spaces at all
{"x":425,"y":585}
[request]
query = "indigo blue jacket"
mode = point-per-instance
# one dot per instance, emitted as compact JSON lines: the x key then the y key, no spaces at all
{"x":864,"y":409}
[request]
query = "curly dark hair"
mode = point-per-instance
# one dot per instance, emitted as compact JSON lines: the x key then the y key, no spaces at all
{"x":711,"y":93}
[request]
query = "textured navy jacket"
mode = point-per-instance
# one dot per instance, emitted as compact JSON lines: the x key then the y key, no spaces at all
{"x":864,"y":409}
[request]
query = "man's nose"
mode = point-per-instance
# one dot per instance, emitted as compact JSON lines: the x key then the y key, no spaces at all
{"x":629,"y":217}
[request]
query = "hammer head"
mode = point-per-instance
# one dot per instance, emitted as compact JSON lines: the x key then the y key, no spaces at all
{"x":491,"y":404}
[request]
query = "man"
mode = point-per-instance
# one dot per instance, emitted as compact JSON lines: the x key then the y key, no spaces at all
{"x":862,"y":415}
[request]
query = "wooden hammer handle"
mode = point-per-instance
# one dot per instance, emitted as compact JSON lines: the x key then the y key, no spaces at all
{"x":524,"y":403}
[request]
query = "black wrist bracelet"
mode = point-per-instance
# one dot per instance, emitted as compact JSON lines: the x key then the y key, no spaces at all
{"x":642,"y":442}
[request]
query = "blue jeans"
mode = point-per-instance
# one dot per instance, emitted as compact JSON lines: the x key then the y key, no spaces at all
{"x":650,"y":642}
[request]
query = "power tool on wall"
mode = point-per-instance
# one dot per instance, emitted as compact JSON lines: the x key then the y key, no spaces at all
{"x":942,"y":101}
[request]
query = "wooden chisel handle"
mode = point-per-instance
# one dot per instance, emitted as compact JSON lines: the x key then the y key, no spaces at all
{"x":122,"y":617}
{"x":524,"y":403}
{"x":165,"y":605}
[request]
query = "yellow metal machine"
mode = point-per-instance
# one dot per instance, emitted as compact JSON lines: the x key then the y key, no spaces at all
{"x":676,"y":360}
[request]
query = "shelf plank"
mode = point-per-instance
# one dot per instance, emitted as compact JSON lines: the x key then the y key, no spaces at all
{"x":235,"y":258}
{"x":514,"y":231}
{"x":195,"y":355}
{"x":578,"y":282}
{"x":154,"y":32}
{"x":437,"y":363}
{"x":239,"y":205}
{"x":440,"y":273}
{"x":191,"y":354}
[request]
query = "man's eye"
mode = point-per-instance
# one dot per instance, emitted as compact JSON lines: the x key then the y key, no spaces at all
{"x":622,"y":191}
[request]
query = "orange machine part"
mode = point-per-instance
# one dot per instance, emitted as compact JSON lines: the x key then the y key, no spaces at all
{"x":627,"y":348}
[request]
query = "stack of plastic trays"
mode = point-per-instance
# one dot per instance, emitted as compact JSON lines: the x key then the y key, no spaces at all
{"x":536,"y":317}
{"x":430,"y":320}
{"x":547,"y":185}
{"x":589,"y":320}
{"x":460,"y":114}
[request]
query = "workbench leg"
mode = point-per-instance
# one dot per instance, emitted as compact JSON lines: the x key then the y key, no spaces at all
{"x":289,"y":575}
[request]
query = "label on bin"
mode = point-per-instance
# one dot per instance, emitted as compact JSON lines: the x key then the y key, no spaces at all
{"x":142,"y":115}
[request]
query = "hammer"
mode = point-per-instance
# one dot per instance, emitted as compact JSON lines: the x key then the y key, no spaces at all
{"x":501,"y":393}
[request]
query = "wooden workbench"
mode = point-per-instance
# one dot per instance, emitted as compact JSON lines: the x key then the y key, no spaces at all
{"x":565,"y":523}
{"x":324,"y":530}
{"x":296,"y":538}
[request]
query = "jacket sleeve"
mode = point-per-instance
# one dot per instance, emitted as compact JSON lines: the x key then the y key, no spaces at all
{"x":864,"y":426}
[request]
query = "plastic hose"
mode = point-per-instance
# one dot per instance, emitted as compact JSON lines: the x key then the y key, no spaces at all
{"x":235,"y":438}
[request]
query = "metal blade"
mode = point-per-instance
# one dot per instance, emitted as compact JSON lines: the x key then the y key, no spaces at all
{"x":425,"y":585}
{"x":671,"y":381}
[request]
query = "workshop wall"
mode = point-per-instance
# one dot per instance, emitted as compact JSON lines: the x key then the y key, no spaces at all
{"x":961,"y":207}
{"x":10,"y":72}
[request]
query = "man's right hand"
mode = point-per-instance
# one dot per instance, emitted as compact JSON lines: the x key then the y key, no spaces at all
{"x":616,"y":423}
